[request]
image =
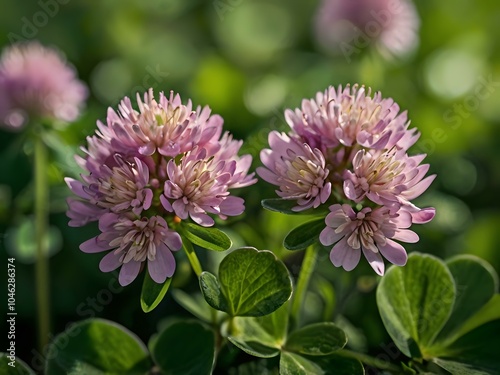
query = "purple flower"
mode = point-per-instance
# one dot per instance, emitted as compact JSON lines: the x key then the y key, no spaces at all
{"x":351,"y":116}
{"x":371,"y":231}
{"x":36,"y":81}
{"x":386,"y":177}
{"x":349,"y":26}
{"x":299,"y":171}
{"x":348,"y":148}
{"x":147,"y":171}
{"x":134,"y":241}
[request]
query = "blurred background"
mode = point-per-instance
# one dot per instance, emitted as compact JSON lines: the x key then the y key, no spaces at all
{"x":249,"y":60}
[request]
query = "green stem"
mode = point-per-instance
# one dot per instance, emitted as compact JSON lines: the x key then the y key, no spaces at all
{"x":308,"y":264}
{"x":41,"y":219}
{"x":193,"y":259}
{"x":370,"y":361}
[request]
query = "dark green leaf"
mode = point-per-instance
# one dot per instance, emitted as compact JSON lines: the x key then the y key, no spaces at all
{"x":255,"y":283}
{"x":212,"y":292}
{"x":476,"y":282}
{"x":336,"y":364}
{"x":304,"y":235}
{"x":14,"y":366}
{"x":294,"y":364}
{"x":207,"y":238}
{"x":458,"y":368}
{"x":152,"y":293}
{"x":475,"y":351}
{"x":415,"y":302}
{"x":97,"y":346}
{"x":262,"y":336}
{"x":280,"y":205}
{"x":185,"y":348}
{"x":316,"y":339}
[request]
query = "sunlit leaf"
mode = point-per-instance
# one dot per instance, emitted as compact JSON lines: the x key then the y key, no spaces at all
{"x":101,"y":345}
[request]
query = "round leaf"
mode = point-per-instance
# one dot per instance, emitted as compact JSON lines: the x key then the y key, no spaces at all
{"x":14,"y":366}
{"x":476,"y":282}
{"x":97,"y":346}
{"x":294,"y":364}
{"x":316,"y":339}
{"x":255,"y":283}
{"x":184,"y":348}
{"x":212,"y":292}
{"x":304,"y":235}
{"x":152,"y":293}
{"x":415,"y":302}
{"x":207,"y":238}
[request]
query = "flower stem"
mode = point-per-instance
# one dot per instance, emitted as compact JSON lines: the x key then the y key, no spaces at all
{"x":308,"y":264}
{"x":371,"y":361}
{"x":193,"y":259}
{"x":41,"y":219}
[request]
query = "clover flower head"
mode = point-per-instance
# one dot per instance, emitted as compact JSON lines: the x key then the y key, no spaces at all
{"x":348,"y":149}
{"x":349,"y":26}
{"x":370,"y":231}
{"x":298,"y":170}
{"x":148,"y":170}
{"x":37,"y":81}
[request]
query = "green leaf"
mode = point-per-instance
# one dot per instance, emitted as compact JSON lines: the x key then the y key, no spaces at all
{"x":207,"y":238}
{"x":476,"y":282}
{"x":458,"y":368}
{"x":475,"y":351}
{"x":14,"y":366}
{"x":336,"y":364}
{"x":316,"y":339}
{"x":304,"y":235}
{"x":280,"y":205}
{"x":183,"y":348}
{"x":263,"y":336}
{"x":194,"y":303}
{"x":101,"y":345}
{"x":489,"y":312}
{"x":21,"y":242}
{"x":252,"y":282}
{"x":152,"y":293}
{"x":294,"y":364}
{"x":415,"y":302}
{"x":212,"y":292}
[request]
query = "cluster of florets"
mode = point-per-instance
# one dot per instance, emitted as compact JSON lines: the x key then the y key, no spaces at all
{"x":348,"y":149}
{"x":37,"y":81}
{"x":147,"y":171}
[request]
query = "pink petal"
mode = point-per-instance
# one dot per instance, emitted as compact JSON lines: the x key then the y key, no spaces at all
{"x":173,"y":241}
{"x":163,"y":266}
{"x":424,"y":215}
{"x":375,"y":260}
{"x":419,"y":188}
{"x":110,"y":262}
{"x":129,"y":272}
{"x":95,"y":245}
{"x":232,"y":206}
{"x":328,"y":236}
{"x":351,"y":259}
{"x":406,"y":235}
{"x":338,"y":252}
{"x":393,"y":252}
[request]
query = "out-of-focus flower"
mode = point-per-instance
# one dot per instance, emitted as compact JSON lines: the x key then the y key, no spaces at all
{"x":371,"y":231}
{"x":36,"y":81}
{"x":298,"y":170}
{"x":149,"y":170}
{"x":348,"y":149}
{"x":347,"y":27}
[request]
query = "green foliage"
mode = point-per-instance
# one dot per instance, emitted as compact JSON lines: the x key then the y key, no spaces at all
{"x":444,"y":312}
{"x":251,"y":283}
{"x":152,"y":293}
{"x":304,"y":235}
{"x":207,"y":238}
{"x":183,"y":348}
{"x":97,"y":346}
